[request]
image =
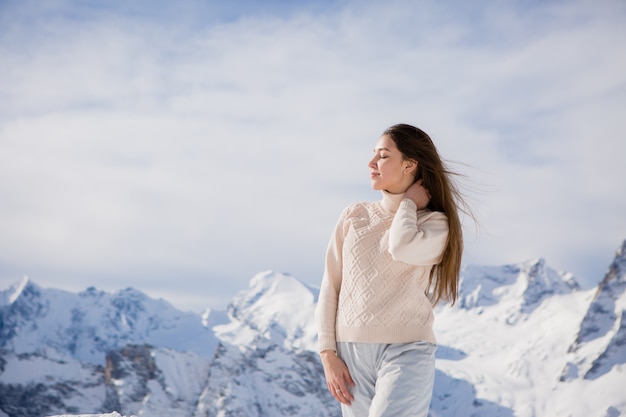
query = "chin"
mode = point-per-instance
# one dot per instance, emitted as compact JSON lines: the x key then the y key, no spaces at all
{"x":375,"y":186}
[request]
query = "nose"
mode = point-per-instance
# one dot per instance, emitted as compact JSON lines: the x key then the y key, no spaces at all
{"x":372,"y":163}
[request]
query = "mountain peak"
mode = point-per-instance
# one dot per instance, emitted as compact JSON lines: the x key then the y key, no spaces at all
{"x":543,"y":281}
{"x":88,"y":324}
{"x":14,"y":292}
{"x":276,"y":306}
{"x":601,"y":341}
{"x":263,"y":360}
{"x":609,"y":302}
{"x":616,"y":275}
{"x":271,"y":291}
{"x":526,"y":284}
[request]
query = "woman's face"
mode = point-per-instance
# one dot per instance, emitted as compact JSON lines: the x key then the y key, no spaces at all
{"x":388,"y":170}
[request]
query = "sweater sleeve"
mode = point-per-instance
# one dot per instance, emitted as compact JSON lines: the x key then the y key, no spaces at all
{"x":326,"y":311}
{"x":417,"y":238}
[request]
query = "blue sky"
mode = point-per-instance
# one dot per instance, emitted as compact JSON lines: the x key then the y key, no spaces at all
{"x":182,"y":147}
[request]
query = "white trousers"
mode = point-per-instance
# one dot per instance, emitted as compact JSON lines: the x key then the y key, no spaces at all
{"x":391,"y":380}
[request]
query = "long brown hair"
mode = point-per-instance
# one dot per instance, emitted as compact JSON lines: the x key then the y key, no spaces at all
{"x":416,"y":145}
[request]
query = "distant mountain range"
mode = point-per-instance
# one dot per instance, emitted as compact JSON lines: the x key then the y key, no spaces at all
{"x":523,"y":340}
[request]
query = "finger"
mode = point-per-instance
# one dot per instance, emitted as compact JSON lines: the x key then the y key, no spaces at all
{"x":343,"y":396}
{"x":335,"y":392}
{"x":343,"y":389}
{"x":347,"y":395}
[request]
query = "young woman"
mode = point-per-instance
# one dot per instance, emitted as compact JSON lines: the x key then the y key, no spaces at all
{"x":387,"y":263}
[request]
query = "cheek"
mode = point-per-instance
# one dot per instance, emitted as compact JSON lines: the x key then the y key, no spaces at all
{"x":389,"y":169}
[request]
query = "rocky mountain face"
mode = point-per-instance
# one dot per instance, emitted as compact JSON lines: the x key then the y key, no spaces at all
{"x":267,"y":363}
{"x":257,"y":359}
{"x":34,"y":385}
{"x":601,"y":341}
{"x":141,"y":379}
{"x":523,"y":340}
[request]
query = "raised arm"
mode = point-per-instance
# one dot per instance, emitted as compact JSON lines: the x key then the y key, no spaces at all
{"x":417,"y":237}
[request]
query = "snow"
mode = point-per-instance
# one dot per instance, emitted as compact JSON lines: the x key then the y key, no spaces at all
{"x":517,"y":350}
{"x":113,"y":414}
{"x":277,"y":306}
{"x":515,"y":366}
{"x":186,"y":375}
{"x":9,"y":296}
{"x":522,"y":341}
{"x":87,"y":325}
{"x":27,"y":369}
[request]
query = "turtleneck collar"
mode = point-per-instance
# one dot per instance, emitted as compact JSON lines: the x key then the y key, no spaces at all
{"x":391,"y":202}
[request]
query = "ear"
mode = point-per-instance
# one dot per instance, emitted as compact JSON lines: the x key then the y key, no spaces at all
{"x":410,"y":166}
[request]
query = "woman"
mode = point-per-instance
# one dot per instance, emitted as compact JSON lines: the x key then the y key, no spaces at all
{"x":387,"y":264}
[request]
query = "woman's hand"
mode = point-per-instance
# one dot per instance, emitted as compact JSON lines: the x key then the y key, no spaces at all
{"x":337,"y":377}
{"x":418,"y":194}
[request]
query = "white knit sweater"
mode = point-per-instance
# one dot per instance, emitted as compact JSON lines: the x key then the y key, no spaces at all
{"x":378,"y":263}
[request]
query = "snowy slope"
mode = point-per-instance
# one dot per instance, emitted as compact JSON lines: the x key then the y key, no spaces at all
{"x":34,"y":385}
{"x":523,"y":340}
{"x":513,"y":349}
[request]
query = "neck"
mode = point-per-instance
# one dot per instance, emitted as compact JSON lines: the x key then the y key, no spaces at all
{"x":390,"y":201}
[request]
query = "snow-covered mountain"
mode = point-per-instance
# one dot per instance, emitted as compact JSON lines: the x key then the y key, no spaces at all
{"x":87,"y":325}
{"x":516,"y":339}
{"x":523,"y":340}
{"x":95,"y":352}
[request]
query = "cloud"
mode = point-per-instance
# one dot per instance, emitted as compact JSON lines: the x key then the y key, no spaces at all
{"x":184,"y":155}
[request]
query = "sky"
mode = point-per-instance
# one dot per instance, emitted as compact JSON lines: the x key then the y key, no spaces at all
{"x":180,"y":148}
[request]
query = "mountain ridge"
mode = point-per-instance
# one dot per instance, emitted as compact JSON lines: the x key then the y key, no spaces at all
{"x":523,"y":340}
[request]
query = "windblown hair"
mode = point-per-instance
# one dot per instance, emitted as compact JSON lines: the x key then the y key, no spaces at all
{"x":416,"y":145}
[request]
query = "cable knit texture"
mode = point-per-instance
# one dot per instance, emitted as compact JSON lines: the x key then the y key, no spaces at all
{"x":378,"y":263}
